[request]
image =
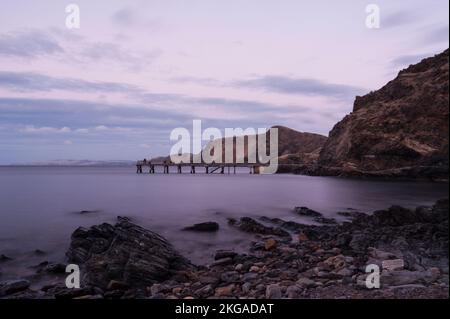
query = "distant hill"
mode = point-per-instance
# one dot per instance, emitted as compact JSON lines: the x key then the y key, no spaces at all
{"x":294,"y":147}
{"x":85,"y":163}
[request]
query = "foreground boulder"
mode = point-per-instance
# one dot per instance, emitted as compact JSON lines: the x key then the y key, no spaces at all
{"x":124,"y":252}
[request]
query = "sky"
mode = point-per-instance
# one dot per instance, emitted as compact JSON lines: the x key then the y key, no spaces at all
{"x":133,"y":71}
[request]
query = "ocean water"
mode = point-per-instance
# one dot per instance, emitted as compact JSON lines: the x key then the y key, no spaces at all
{"x":40,"y":206}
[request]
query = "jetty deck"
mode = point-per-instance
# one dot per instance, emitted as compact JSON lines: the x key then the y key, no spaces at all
{"x":219,"y":168}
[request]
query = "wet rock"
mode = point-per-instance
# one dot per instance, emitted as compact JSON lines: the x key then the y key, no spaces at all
{"x":226,"y":291}
{"x":222,"y":262}
{"x":4,"y":258}
{"x":324,"y":220}
{"x":65,"y":293}
{"x":270,"y":244}
{"x":86,"y":212}
{"x":205,"y":291}
{"x":250,"y":225}
{"x":239,"y":267}
{"x":55,"y":268}
{"x":380,"y":254}
{"x":90,"y":297}
{"x":220,"y":254}
{"x":246,"y":287}
{"x":305,"y":211}
{"x":13,"y":286}
{"x":273,"y":292}
{"x":123,"y":252}
{"x":293,"y":292}
{"x":203,"y":227}
{"x":393,"y":264}
{"x":254,"y":269}
{"x":39,"y":252}
{"x":302,"y":237}
{"x":117,"y":285}
{"x":230,"y":276}
{"x":250,"y":276}
{"x":405,"y":277}
{"x":306,"y":282}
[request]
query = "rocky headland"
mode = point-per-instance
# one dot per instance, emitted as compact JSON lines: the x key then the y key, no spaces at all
{"x":401,"y":130}
{"x":285,"y":260}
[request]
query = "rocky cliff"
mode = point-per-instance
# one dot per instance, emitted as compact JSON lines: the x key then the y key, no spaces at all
{"x":400,"y":130}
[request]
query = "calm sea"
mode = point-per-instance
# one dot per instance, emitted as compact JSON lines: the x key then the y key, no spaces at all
{"x":39,"y":206}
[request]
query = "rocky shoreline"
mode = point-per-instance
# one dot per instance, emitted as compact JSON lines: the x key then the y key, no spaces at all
{"x":285,"y":260}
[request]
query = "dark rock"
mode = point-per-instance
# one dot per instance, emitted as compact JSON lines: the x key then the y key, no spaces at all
{"x":220,"y":254}
{"x":230,"y":276}
{"x":324,"y":220}
{"x":222,"y":262}
{"x":124,"y":252}
{"x":250,"y":225}
{"x":305,"y":211}
{"x":117,"y":285}
{"x":39,"y":252}
{"x":204,"y":227}
{"x":4,"y":258}
{"x":12,"y":286}
{"x":394,"y":131}
{"x":55,"y":268}
{"x":85,"y":212}
{"x":273,"y":292}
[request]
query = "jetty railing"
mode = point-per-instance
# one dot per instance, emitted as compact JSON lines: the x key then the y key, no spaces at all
{"x":220,"y":168}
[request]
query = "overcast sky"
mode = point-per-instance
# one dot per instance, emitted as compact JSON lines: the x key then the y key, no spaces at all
{"x":135,"y":70}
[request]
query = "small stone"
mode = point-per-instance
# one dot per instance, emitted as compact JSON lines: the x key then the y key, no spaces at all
{"x":254,"y":269}
{"x":155,"y":289}
{"x":249,"y":276}
{"x":246,"y":287}
{"x":205,"y":291}
{"x":230,"y":276}
{"x":220,"y":254}
{"x":293,"y":292}
{"x":393,"y":264}
{"x":239,"y":267}
{"x":270,"y":244}
{"x":273,"y":292}
{"x":226,"y":291}
{"x":302,"y":237}
{"x":117,"y":285}
{"x":306,"y":282}
{"x":177,"y":290}
{"x":380,"y":254}
{"x":222,"y":262}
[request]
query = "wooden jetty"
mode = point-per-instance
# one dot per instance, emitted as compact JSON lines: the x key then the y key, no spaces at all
{"x":213,"y":168}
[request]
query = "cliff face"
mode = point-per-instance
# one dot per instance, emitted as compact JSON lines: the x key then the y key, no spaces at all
{"x":400,"y":130}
